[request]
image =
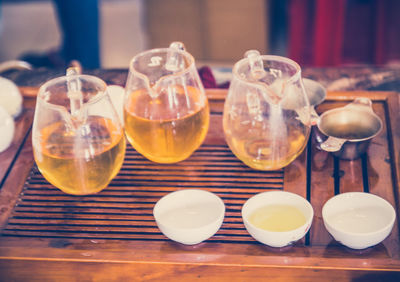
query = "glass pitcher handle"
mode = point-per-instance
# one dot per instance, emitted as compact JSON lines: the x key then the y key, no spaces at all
{"x":258,"y":73}
{"x":256,"y":64}
{"x":174,"y":60}
{"x":74,"y":90}
{"x":364,"y":102}
{"x":177,"y":45}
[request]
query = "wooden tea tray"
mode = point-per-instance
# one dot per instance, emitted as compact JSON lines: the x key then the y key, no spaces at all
{"x":49,"y":235}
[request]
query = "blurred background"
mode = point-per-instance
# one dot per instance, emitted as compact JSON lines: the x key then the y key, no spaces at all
{"x":217,"y":32}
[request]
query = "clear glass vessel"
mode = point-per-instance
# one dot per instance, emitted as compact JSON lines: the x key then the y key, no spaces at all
{"x":266,"y":117}
{"x":78,"y":140}
{"x":166,"y":113}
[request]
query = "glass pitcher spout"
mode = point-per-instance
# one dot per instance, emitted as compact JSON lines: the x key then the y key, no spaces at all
{"x":159,"y":67}
{"x":272,"y":81}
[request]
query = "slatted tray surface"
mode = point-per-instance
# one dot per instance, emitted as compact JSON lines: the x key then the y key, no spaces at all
{"x":124,"y":210}
{"x":41,"y":223}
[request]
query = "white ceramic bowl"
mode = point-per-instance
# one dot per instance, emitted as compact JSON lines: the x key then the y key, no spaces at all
{"x":358,"y":220}
{"x":7,"y":128}
{"x":189,"y":216}
{"x":278,"y":238}
{"x":10,"y":97}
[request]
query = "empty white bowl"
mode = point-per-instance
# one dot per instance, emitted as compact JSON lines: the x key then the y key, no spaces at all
{"x":358,"y":220}
{"x":274,"y":198}
{"x":189,"y":216}
{"x":7,"y":128}
{"x":10,"y":97}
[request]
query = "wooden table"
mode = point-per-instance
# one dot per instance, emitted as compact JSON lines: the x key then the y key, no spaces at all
{"x":47,"y":235}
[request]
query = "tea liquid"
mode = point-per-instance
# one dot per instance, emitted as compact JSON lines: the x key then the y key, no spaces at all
{"x":263,"y":144}
{"x":83,"y":165}
{"x":168,"y":128}
{"x":277,"y":218}
{"x":351,"y":130}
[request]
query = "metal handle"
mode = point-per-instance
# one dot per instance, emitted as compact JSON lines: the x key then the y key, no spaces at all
{"x":333,"y":144}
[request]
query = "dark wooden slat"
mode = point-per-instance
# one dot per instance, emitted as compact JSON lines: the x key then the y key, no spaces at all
{"x":124,"y":236}
{"x":295,"y":179}
{"x":10,"y":192}
{"x":380,"y":178}
{"x":106,"y":229}
{"x":121,"y":215}
{"x":321,"y":189}
{"x":123,"y":192}
{"x":214,"y":136}
{"x":125,"y":187}
{"x":351,"y":173}
{"x":43,"y":208}
{"x":111,"y":195}
{"x":47,"y":216}
{"x":139,"y":221}
{"x":22,"y":126}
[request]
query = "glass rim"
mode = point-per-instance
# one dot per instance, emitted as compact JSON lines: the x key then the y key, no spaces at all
{"x":92,"y":100}
{"x":275,"y":58}
{"x":184,"y":53}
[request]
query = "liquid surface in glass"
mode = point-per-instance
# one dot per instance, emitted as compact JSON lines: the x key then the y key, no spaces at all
{"x":168,"y":128}
{"x":75,"y":161}
{"x":351,"y":130}
{"x":277,"y":218}
{"x":265,"y":144}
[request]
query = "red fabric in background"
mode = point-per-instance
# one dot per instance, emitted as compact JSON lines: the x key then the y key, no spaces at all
{"x":388,"y":31}
{"x":208,"y":79}
{"x":329,"y":31}
{"x":338,"y":32}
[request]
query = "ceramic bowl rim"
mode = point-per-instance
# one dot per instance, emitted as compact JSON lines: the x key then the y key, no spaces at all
{"x":384,"y":202}
{"x":219,"y":202}
{"x":306,"y":203}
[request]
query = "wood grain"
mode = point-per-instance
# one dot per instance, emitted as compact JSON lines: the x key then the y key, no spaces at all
{"x":112,"y":235}
{"x":22,"y":125}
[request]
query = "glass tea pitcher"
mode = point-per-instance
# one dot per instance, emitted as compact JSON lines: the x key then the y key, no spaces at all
{"x":266,"y":117}
{"x":78,"y":140}
{"x":166,"y":111}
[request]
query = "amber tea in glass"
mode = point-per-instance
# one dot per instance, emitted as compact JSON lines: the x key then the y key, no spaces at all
{"x":166,"y":112}
{"x":78,"y":141}
{"x":266,"y":117}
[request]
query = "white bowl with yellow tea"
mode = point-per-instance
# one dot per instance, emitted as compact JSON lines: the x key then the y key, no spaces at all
{"x":277,"y":218}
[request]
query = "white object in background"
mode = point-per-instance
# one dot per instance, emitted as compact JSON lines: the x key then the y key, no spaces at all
{"x":358,"y":220}
{"x":222,"y":75}
{"x":7,"y":128}
{"x":117,"y":93}
{"x":10,"y":97}
{"x":189,"y":216}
